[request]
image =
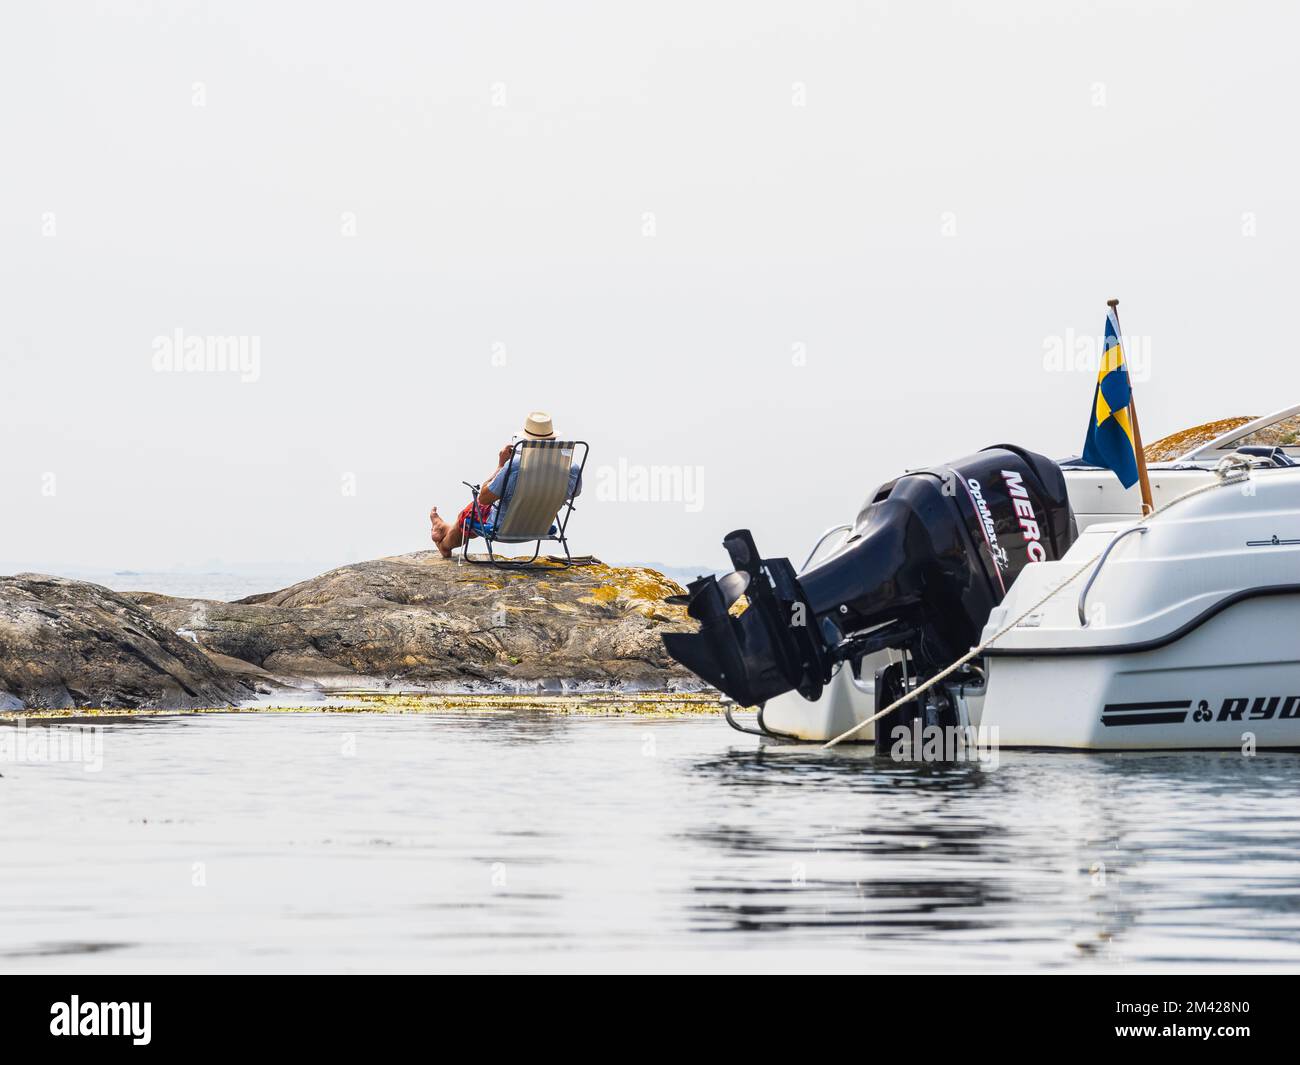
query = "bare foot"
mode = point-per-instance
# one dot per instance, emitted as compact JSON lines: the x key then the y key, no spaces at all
{"x":438,"y":527}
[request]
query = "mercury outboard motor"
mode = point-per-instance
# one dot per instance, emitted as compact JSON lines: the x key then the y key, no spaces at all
{"x":930,"y":555}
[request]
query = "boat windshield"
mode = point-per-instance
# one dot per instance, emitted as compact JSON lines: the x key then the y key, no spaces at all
{"x":1281,"y":429}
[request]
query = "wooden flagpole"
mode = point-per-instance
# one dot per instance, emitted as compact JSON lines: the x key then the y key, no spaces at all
{"x":1144,"y":481}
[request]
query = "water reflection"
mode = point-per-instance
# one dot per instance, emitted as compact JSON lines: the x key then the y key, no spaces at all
{"x":1058,"y":857}
{"x":516,"y":840}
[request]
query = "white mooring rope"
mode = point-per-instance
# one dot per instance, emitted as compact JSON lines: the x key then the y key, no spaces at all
{"x":1231,"y":470}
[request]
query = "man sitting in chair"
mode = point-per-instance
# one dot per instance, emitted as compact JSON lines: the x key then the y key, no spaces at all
{"x":494,"y":496}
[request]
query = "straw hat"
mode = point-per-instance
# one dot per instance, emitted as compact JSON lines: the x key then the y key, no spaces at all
{"x":537,"y":426}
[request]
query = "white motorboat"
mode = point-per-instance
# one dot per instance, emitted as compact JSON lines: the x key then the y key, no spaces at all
{"x":1184,"y":633}
{"x":1175,"y":632}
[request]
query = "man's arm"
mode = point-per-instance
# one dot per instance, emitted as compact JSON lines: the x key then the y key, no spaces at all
{"x":486,"y":496}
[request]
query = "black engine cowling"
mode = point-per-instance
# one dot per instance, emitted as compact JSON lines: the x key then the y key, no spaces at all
{"x":930,"y":555}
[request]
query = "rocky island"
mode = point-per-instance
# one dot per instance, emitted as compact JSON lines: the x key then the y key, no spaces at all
{"x":412,"y":622}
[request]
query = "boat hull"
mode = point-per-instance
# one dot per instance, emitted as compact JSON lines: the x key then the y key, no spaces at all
{"x":843,"y":704}
{"x":1232,"y":683}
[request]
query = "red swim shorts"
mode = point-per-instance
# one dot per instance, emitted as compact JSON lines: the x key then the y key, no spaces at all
{"x":479,"y":512}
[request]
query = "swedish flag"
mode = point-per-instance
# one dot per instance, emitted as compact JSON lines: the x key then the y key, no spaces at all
{"x":1110,"y":431}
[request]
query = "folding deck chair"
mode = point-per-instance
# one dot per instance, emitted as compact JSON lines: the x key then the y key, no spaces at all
{"x":532,"y":511}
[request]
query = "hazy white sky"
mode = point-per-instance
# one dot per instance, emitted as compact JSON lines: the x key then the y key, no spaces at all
{"x":785,"y":248}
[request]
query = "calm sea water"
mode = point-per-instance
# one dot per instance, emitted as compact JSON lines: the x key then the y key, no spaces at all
{"x":364,"y":842}
{"x":196,"y":584}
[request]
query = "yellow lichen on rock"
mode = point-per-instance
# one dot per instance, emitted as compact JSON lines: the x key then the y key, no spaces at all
{"x":1170,"y":447}
{"x":635,"y":588}
{"x":612,"y":704}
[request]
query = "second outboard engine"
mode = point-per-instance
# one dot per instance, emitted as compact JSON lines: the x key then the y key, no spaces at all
{"x":930,"y":555}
